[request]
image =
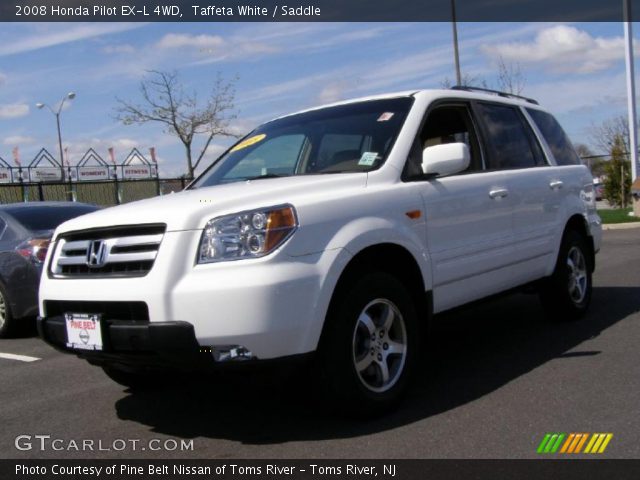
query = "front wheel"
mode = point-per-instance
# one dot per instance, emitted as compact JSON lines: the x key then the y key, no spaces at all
{"x":566,"y":294}
{"x":370,"y":345}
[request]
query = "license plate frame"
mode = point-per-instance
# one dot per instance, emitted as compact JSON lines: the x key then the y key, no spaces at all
{"x":84,"y":331}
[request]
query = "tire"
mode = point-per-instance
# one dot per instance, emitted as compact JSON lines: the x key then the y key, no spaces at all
{"x":133,"y":380}
{"x":7,"y":322}
{"x":365,"y":366}
{"x":566,"y":294}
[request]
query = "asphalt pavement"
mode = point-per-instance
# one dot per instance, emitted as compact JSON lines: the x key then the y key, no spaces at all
{"x":494,"y":380}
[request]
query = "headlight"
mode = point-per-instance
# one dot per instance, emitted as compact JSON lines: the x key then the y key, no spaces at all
{"x":247,"y":234}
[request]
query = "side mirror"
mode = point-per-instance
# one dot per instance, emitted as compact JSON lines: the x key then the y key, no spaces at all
{"x":445,"y":159}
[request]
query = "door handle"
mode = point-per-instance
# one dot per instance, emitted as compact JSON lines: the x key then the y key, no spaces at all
{"x":556,"y":184}
{"x":498,"y":193}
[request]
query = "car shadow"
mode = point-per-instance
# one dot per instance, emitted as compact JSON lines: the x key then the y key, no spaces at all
{"x":471,"y":352}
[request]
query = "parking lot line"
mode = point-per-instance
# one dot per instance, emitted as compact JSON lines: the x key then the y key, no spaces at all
{"x":20,"y":358}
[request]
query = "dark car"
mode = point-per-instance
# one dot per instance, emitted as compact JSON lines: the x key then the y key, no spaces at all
{"x":25,"y":233}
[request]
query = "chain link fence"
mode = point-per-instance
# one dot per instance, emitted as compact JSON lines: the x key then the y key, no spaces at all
{"x":107,"y":193}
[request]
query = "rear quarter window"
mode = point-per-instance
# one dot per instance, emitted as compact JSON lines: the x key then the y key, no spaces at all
{"x":555,"y":137}
{"x":511,"y":140}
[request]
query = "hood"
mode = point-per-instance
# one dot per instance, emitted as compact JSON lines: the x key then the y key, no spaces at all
{"x":191,"y":209}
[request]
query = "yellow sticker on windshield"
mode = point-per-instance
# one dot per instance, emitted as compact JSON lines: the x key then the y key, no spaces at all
{"x":248,"y":142}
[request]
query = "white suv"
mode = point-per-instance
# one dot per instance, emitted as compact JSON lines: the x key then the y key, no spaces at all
{"x":336,"y":232}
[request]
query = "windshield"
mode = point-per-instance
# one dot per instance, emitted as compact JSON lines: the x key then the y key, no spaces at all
{"x":347,"y":138}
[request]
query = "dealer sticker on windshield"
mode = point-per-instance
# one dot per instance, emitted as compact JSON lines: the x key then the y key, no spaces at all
{"x":248,"y":142}
{"x":83,"y":331}
{"x":368,"y":158}
{"x":385,"y":117}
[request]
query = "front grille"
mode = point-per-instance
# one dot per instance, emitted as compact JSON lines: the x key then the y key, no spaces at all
{"x":112,"y":252}
{"x":131,"y":311}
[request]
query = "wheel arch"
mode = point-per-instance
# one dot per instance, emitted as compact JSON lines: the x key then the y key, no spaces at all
{"x":579,"y":224}
{"x":395,"y":260}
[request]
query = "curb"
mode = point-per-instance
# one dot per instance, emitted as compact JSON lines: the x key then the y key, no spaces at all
{"x":620,"y":226}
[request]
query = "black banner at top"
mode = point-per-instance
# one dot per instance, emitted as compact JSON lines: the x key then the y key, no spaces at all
{"x":316,"y":10}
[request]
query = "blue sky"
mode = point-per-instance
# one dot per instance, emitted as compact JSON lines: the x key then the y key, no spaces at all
{"x":575,"y":70}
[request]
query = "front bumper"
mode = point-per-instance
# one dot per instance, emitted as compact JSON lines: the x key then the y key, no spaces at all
{"x":155,"y":347}
{"x":135,"y":344}
{"x":273,"y":306}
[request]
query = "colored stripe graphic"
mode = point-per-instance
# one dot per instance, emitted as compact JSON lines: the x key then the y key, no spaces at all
{"x":598,"y":442}
{"x":605,"y":443}
{"x":551,"y":442}
{"x":591,"y":442}
{"x":581,"y":442}
{"x":555,"y":447}
{"x":574,"y":442}
{"x":544,"y":443}
{"x":568,"y":442}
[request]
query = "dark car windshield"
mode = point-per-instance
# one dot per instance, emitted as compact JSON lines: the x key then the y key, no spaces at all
{"x":47,"y":217}
{"x":348,"y":138}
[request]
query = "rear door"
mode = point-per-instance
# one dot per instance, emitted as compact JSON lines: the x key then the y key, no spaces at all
{"x":468,"y":215}
{"x":534,"y":190}
{"x":566,"y":177}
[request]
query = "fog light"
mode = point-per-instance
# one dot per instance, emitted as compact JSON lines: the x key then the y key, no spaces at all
{"x":231,"y":353}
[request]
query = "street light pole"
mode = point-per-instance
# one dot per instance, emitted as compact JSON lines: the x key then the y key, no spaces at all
{"x":60,"y":143}
{"x":631,"y":90}
{"x":56,"y":113}
{"x":456,"y":54}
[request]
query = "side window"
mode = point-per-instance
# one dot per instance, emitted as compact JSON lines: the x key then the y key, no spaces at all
{"x":277,"y":157}
{"x":447,"y":124}
{"x":3,"y":227}
{"x":556,"y":138}
{"x":512,"y":143}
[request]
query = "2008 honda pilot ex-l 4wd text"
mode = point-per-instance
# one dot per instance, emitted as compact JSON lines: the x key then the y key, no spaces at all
{"x":335,"y":232}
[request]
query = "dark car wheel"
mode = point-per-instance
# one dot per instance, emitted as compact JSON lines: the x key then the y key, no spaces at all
{"x":6,"y":318}
{"x":566,"y":294}
{"x":370,"y":345}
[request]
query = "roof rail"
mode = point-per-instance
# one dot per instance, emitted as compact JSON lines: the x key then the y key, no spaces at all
{"x":495,"y":92}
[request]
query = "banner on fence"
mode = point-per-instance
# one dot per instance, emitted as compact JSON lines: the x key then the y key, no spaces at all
{"x":92,"y":167}
{"x":93,"y":173}
{"x":5,"y":175}
{"x":130,"y":172}
{"x":45,"y":174}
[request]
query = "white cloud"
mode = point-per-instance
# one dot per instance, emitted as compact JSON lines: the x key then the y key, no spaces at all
{"x":3,"y":79}
{"x":59,"y":35}
{"x":562,"y":49}
{"x":203,"y":42}
{"x":114,"y":49}
{"x":14,"y":110}
{"x":582,"y":94}
{"x":18,"y":140}
{"x":333,"y":92}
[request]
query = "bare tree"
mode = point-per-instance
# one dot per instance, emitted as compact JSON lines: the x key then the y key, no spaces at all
{"x":165,"y":101}
{"x":510,"y":78}
{"x":583,"y":150}
{"x":467,"y":80}
{"x":594,"y":162}
{"x":612,"y":130}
